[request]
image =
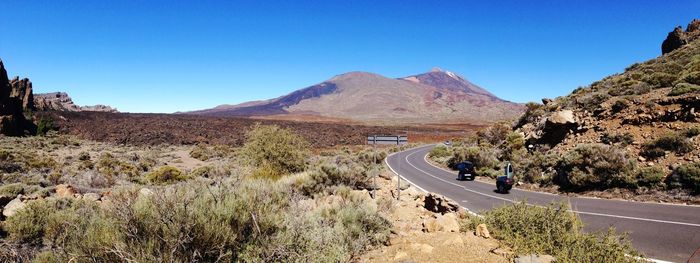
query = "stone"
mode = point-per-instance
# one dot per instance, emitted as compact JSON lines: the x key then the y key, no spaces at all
{"x":145,"y":192}
{"x":448,"y":222}
{"x":13,"y":207}
{"x":533,"y":258}
{"x":546,"y":101}
{"x":482,"y":231}
{"x":557,"y":126}
{"x":400,"y":255}
{"x":454,"y":240}
{"x":422,"y":248}
{"x":92,"y":196}
{"x":439,"y":204}
{"x":65,"y":191}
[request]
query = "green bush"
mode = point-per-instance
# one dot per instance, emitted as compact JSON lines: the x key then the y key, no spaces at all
{"x":683,"y":88}
{"x":248,"y":221}
{"x":484,"y":159}
{"x":674,"y":142}
{"x":113,"y":168}
{"x":619,"y":105}
{"x":440,"y":152}
{"x":45,"y":125}
{"x":623,"y":139}
{"x":692,"y":132}
{"x":650,"y":176}
{"x":166,"y":175}
{"x":553,"y":230}
{"x":277,"y":148}
{"x":533,"y":111}
{"x":594,"y":166}
{"x":12,"y":189}
{"x":689,"y":176}
{"x":537,"y":168}
{"x":691,"y":78}
{"x":660,"y":79}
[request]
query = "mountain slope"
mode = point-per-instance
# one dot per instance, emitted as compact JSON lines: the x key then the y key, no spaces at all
{"x":434,"y":97}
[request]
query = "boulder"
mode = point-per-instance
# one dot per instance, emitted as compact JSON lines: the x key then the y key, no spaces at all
{"x":448,"y":222}
{"x":65,"y":191}
{"x":441,"y":223}
{"x":423,"y":248}
{"x":439,"y":204}
{"x":482,"y":231}
{"x":13,"y":207}
{"x":557,"y":126}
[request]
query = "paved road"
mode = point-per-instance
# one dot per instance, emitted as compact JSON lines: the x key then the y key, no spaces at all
{"x":664,"y":232}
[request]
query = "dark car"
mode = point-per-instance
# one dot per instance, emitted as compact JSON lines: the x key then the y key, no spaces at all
{"x":466,"y":171}
{"x":505,"y":183}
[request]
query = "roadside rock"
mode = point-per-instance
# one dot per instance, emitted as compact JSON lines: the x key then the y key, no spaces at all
{"x":13,"y":207}
{"x":482,"y":231}
{"x":65,"y":191}
{"x":441,"y":223}
{"x":439,"y":204}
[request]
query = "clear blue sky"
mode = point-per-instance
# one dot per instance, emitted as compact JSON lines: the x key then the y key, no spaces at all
{"x":166,"y":56}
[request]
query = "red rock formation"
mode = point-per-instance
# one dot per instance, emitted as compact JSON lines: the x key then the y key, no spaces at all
{"x":677,"y":38}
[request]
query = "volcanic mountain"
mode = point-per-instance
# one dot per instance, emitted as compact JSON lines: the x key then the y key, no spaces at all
{"x":435,"y":97}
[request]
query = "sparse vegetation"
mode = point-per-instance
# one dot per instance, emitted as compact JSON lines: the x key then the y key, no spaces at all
{"x":276,"y":150}
{"x":166,"y":175}
{"x":594,"y":166}
{"x":674,"y":142}
{"x":688,"y":175}
{"x":553,"y":230}
{"x":684,"y":88}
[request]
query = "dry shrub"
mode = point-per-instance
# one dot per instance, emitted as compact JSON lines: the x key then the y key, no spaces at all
{"x":166,"y":175}
{"x":272,"y":147}
{"x":594,"y":166}
{"x":553,"y":230}
{"x":249,"y":221}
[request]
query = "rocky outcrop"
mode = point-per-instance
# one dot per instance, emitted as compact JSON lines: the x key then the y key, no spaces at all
{"x":22,"y":89}
{"x":677,"y":38}
{"x":557,"y":126}
{"x":15,"y":99}
{"x":439,"y":204}
{"x":60,"y":101}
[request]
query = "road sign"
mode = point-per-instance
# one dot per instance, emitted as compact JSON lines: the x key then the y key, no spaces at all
{"x":387,"y":139}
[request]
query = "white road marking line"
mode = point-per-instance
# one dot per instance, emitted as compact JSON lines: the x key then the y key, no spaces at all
{"x":578,"y":212}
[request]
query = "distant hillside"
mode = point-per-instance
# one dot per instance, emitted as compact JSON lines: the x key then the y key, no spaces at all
{"x":434,"y":97}
{"x":60,"y":101}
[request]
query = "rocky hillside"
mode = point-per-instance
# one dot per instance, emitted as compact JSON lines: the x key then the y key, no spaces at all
{"x":16,"y":99}
{"x":633,"y":135}
{"x":640,"y":127}
{"x":435,"y":97}
{"x":60,"y":101}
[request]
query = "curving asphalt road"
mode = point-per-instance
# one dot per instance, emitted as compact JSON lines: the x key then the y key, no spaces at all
{"x":661,"y":231}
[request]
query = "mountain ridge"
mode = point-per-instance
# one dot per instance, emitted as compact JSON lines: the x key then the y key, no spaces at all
{"x":434,"y":96}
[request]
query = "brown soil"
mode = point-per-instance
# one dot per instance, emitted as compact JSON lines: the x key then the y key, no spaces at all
{"x":154,"y":129}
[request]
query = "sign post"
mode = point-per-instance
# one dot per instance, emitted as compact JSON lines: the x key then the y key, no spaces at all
{"x":388,"y":140}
